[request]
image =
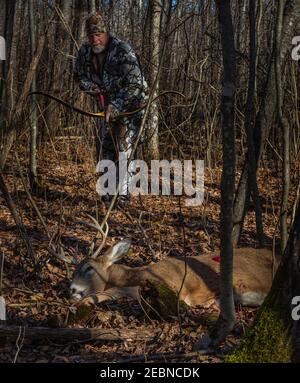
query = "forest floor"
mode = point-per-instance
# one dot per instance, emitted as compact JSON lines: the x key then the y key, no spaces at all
{"x":169,"y":227}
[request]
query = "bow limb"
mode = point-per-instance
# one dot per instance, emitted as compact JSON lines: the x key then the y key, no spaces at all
{"x":102,"y":114}
{"x":72,"y":107}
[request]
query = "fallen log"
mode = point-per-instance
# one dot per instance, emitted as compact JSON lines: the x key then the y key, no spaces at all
{"x":77,"y":334}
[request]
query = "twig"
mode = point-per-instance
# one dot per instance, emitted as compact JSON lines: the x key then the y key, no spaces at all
{"x":34,"y":302}
{"x":19,"y":345}
{"x":129,"y":216}
{"x":82,"y":334}
{"x":150,"y":306}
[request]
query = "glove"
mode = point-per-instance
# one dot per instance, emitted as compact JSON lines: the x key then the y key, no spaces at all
{"x":111,"y":113}
{"x":94,"y":90}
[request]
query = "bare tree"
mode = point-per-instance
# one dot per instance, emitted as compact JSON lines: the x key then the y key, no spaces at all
{"x":80,"y":13}
{"x":60,"y":69}
{"x":226,"y":319}
{"x":152,"y":129}
{"x":92,"y":7}
{"x":7,"y":134}
{"x":33,"y":117}
{"x":284,"y":125}
{"x":249,"y":122}
{"x":2,"y":32}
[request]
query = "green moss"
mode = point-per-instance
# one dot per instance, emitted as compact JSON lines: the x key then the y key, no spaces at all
{"x":161,"y":301}
{"x":168,"y":300}
{"x":267,"y":341}
{"x":208,"y":319}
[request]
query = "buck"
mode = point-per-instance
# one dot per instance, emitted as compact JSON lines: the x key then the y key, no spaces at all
{"x":99,"y":278}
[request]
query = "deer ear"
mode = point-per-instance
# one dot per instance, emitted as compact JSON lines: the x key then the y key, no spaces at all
{"x":116,"y":252}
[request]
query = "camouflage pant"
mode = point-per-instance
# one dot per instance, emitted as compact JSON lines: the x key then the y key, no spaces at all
{"x":117,"y":137}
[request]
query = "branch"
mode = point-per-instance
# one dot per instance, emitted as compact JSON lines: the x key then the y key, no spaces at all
{"x":78,"y":334}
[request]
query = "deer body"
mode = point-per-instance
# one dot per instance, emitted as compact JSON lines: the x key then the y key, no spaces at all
{"x":252,"y":276}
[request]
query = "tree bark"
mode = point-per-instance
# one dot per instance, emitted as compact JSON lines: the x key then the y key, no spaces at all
{"x":284,"y":125}
{"x":6,"y":136}
{"x":248,"y":124}
{"x":60,"y":77}
{"x":92,"y":7}
{"x":2,"y":33}
{"x":226,"y":319}
{"x":274,"y":336}
{"x":152,"y":128}
{"x":33,"y":117}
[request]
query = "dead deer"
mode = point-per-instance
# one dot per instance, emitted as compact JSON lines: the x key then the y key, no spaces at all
{"x":100,"y":278}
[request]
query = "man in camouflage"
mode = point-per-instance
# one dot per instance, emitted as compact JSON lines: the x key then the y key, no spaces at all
{"x":108,"y":69}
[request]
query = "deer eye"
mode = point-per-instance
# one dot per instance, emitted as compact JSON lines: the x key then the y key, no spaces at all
{"x":89,"y":270}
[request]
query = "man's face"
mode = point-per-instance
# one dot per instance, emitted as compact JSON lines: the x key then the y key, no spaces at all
{"x":98,"y":41}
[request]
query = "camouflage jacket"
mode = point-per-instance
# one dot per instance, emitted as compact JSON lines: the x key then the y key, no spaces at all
{"x":122,"y":82}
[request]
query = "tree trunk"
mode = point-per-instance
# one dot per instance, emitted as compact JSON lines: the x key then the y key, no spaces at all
{"x":2,"y":35}
{"x":33,"y":117}
{"x":92,"y":7}
{"x":152,"y":129}
{"x":248,"y":124}
{"x":283,"y":123}
{"x":60,"y":77}
{"x":80,"y":13}
{"x":226,"y":319}
{"x":7,"y":135}
{"x":274,"y":336}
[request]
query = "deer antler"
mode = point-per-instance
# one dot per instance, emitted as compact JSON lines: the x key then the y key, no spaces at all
{"x":96,"y":225}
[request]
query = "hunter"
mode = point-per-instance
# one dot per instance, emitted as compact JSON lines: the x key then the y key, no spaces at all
{"x":108,"y":69}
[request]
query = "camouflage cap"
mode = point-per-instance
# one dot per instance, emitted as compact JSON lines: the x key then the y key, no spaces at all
{"x":96,"y":23}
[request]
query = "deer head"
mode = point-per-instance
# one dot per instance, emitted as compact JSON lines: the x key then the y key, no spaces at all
{"x":92,"y":275}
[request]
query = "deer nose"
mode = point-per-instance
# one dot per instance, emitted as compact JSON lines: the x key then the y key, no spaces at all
{"x":75,"y":293}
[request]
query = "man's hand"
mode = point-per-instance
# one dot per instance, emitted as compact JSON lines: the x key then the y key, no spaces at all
{"x":94,"y":90}
{"x":111,"y":113}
